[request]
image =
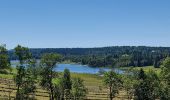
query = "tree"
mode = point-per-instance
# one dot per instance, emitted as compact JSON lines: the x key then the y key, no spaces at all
{"x":30,"y":80}
{"x":147,"y":87}
{"x":128,"y":83}
{"x":156,"y":63}
{"x":154,"y":84}
{"x":58,"y":89}
{"x":67,"y":84}
{"x":141,"y":89}
{"x":4,"y":60}
{"x":113,"y":81}
{"x":78,"y":89}
{"x":23,"y":55}
{"x":141,"y":75}
{"x":48,"y":62}
{"x":165,"y":80}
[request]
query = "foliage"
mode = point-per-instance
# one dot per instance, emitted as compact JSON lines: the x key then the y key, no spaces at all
{"x":22,"y":53}
{"x":58,"y":89}
{"x":165,"y":78}
{"x":128,"y":83}
{"x":147,"y":87}
{"x":67,"y":84}
{"x":24,"y":79}
{"x":4,"y":59}
{"x":48,"y":62}
{"x":154,"y":84}
{"x":113,"y":81}
{"x":78,"y":89}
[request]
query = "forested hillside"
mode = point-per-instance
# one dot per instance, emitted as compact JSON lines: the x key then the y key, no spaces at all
{"x":107,"y":56}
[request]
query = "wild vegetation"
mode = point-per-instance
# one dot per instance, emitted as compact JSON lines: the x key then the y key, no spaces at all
{"x":32,"y":79}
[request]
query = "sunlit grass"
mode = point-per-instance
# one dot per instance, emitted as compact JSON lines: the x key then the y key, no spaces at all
{"x":6,"y":76}
{"x":145,"y":68}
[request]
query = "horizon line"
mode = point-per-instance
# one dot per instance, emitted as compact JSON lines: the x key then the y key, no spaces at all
{"x":94,"y":47}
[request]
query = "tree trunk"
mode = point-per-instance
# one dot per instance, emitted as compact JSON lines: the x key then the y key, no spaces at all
{"x":52,"y":95}
{"x":18,"y":85}
{"x":51,"y":87}
{"x":111,"y":93}
{"x":17,"y":95}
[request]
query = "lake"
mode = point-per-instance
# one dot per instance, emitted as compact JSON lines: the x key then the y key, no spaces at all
{"x":77,"y":68}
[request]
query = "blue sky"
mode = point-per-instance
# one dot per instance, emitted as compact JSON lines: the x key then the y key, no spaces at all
{"x":84,"y":23}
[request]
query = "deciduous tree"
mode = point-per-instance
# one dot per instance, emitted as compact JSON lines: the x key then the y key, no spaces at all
{"x":48,"y":62}
{"x":23,"y":55}
{"x":113,"y":81}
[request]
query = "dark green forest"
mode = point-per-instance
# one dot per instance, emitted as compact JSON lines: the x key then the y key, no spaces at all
{"x":122,"y":56}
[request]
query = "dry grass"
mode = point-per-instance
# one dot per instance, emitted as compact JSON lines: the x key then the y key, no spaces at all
{"x":96,"y":90}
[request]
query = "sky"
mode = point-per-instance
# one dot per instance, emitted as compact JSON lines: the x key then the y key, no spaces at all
{"x":84,"y":23}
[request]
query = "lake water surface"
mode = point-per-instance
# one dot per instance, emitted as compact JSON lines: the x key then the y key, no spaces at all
{"x":84,"y":69}
{"x":77,"y":68}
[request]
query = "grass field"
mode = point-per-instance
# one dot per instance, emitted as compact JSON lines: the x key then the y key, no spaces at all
{"x":94,"y":84}
{"x":146,"y":69}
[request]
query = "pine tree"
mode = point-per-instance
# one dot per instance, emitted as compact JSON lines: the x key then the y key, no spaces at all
{"x":78,"y":89}
{"x":67,"y":84}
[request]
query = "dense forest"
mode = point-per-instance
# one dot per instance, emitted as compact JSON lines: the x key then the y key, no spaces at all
{"x":107,"y":56}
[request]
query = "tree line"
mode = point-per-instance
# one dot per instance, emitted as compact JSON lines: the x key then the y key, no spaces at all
{"x":107,"y":56}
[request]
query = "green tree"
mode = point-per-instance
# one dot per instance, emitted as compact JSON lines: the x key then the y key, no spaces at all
{"x":154,"y":84}
{"x":165,"y":80}
{"x":48,"y":62}
{"x":67,"y":84}
{"x":30,"y":80}
{"x":113,"y":81}
{"x":78,"y":89}
{"x":156,"y":63}
{"x":4,"y":59}
{"x":141,"y":75}
{"x":58,"y":89}
{"x":141,"y":89}
{"x":128,"y":83}
{"x":147,"y":87}
{"x":23,"y":55}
